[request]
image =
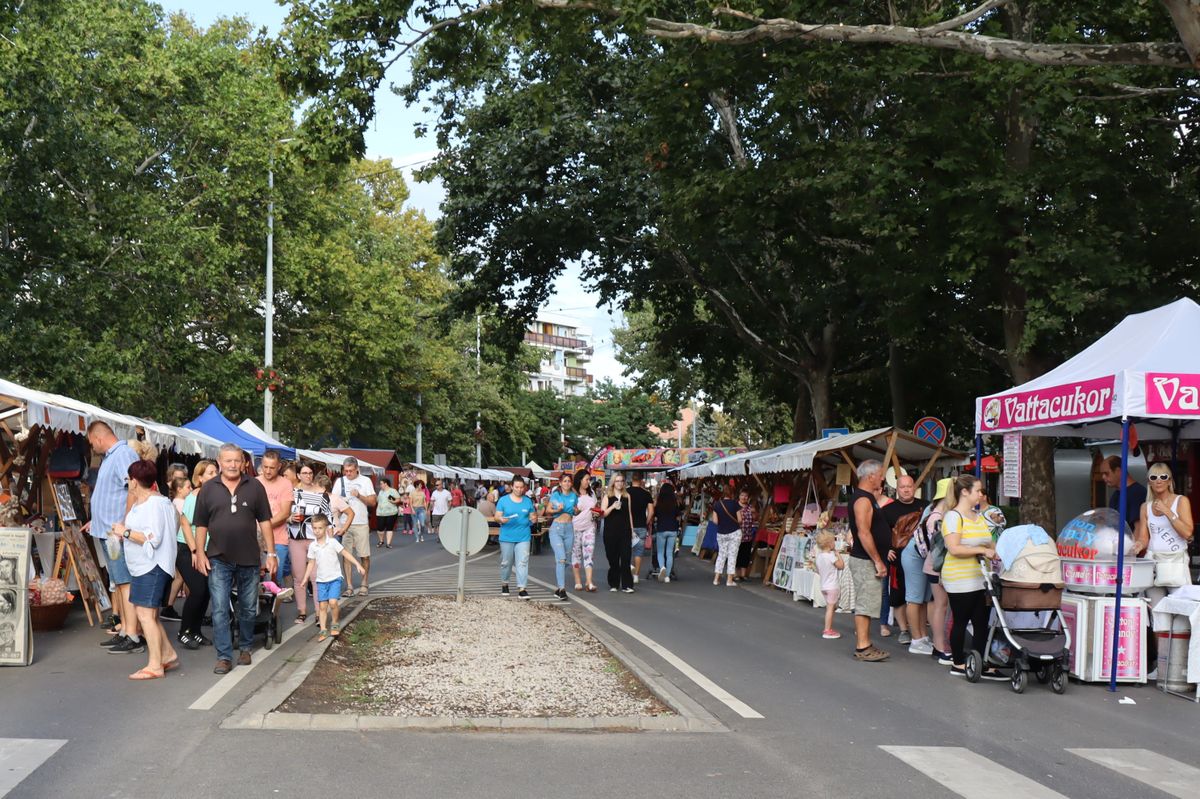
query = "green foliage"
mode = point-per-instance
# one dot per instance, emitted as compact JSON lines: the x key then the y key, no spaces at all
{"x":134,"y":151}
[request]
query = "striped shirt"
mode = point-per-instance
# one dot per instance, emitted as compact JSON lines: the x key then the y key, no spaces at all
{"x":112,"y":489}
{"x":962,"y":575}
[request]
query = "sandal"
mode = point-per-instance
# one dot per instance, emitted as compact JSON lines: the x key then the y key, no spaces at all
{"x":716,"y":581}
{"x":174,"y":664}
{"x":301,"y":618}
{"x":870,"y":655}
{"x":324,"y":634}
{"x":591,"y":588}
{"x":335,"y":631}
{"x":578,"y":586}
{"x":146,"y":674}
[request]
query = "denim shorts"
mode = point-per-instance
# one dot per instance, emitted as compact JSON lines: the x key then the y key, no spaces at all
{"x":639,"y":541}
{"x":146,"y":590}
{"x":329,"y":590}
{"x":118,"y":572}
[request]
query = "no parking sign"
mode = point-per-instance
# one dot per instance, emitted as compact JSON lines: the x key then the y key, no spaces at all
{"x":931,"y":429}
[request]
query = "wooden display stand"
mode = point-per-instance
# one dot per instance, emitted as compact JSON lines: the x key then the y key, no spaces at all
{"x":73,"y":556}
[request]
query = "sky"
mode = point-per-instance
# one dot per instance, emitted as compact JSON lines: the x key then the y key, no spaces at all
{"x":391,"y":136}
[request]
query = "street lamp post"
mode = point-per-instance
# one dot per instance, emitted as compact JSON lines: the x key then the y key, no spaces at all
{"x":478,"y":416}
{"x":269,"y":303}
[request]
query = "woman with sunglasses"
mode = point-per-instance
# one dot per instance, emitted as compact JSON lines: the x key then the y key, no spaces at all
{"x":618,"y":535}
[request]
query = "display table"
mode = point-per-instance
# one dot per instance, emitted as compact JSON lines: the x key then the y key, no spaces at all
{"x":1090,"y":622}
{"x":1175,"y":619}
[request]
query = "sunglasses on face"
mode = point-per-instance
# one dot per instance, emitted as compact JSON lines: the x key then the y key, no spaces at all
{"x":1156,"y":477}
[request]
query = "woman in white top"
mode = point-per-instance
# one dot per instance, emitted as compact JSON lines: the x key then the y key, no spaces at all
{"x":150,"y":547}
{"x":1164,"y":531}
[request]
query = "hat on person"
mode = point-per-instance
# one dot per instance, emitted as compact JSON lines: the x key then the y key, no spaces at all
{"x":943,"y":488}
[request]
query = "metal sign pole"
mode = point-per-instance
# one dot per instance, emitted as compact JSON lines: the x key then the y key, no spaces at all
{"x":462,"y":562}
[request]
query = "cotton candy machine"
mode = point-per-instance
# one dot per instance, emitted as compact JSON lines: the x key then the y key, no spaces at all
{"x":1088,"y":548}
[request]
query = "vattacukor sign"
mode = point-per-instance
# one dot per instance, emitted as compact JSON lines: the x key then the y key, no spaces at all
{"x":1087,"y":399}
{"x":1172,"y":394}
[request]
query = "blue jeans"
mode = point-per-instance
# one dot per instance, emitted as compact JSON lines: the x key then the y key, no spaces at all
{"x":562,"y":537}
{"x":664,"y":547}
{"x":511,"y":551}
{"x":283,"y":563}
{"x":418,"y":521}
{"x":221,"y":578}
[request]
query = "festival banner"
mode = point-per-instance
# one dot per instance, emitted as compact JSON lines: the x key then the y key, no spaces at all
{"x":1087,"y":399}
{"x":1172,"y":394}
{"x":665,"y":458}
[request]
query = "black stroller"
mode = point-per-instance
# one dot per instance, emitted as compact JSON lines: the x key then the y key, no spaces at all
{"x":1023,"y":648}
{"x":266,"y":621}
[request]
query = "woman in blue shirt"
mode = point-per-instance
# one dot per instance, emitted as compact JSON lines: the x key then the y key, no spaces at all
{"x":562,"y":504}
{"x":514,"y":513}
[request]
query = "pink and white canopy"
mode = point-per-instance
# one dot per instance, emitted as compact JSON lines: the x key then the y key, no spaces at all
{"x":1146,"y":368}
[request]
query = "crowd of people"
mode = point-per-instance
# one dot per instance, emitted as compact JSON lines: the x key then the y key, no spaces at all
{"x":214,"y":534}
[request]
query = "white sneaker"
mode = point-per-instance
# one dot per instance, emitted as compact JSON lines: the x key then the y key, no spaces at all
{"x":667,"y":579}
{"x":1152,"y":675}
{"x":635,"y":579}
{"x":921,"y":646}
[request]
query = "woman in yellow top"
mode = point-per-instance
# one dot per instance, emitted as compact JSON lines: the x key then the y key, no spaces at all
{"x":967,"y":540}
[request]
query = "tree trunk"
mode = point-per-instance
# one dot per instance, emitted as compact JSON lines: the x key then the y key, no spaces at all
{"x":802,"y":429}
{"x":1186,"y":16}
{"x":1037,"y":472}
{"x":820,"y":389}
{"x":900,"y":418}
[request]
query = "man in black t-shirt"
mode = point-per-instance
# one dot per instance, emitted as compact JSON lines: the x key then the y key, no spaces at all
{"x":893,"y":587}
{"x":233,"y":533}
{"x":642,"y":505}
{"x":1135,"y":492}
{"x":872,"y":539}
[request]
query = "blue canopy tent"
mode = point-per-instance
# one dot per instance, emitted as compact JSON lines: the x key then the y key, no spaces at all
{"x":213,"y":423}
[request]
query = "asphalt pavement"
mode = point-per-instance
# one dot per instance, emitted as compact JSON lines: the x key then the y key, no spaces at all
{"x":73,"y":725}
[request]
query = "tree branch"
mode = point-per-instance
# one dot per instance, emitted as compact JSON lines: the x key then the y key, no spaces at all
{"x":965,"y":19}
{"x":720,"y":102}
{"x":740,"y":328}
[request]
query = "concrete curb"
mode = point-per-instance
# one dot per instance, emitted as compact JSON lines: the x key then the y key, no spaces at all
{"x":259,"y":711}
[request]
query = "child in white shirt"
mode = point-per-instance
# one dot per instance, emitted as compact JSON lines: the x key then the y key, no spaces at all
{"x":829,"y":563}
{"x":325,"y":569}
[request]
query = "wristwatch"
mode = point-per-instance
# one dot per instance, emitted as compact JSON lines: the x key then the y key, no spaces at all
{"x":126,"y":533}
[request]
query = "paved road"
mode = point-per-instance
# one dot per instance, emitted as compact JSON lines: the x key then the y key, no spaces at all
{"x":72,"y":725}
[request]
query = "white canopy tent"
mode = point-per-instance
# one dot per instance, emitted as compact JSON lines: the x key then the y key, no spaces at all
{"x":462,"y":472}
{"x":886,"y":444}
{"x":329,"y":460}
{"x":1146,"y":368}
{"x":1145,"y":371}
{"x":63,"y":414}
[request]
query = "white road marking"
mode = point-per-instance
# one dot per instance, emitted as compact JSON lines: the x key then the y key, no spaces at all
{"x":1149,"y":768}
{"x":223,"y":686}
{"x":710,"y":687}
{"x":970,"y":775}
{"x":19,"y":757}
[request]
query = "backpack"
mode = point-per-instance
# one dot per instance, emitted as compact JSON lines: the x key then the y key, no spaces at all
{"x":905,"y":527}
{"x":937,"y":549}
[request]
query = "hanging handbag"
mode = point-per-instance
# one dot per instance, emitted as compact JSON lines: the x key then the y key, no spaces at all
{"x":812,"y":510}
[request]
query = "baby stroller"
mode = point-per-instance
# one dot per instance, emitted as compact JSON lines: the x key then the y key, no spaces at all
{"x":1026,"y":632}
{"x":266,"y":622}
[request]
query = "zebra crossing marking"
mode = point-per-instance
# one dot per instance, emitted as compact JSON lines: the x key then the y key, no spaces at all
{"x":1149,"y":768}
{"x":970,"y":775}
{"x":20,"y":757}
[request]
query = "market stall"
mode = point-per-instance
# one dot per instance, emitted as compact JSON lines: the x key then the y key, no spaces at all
{"x":332,"y":463}
{"x":44,"y":459}
{"x":213,"y":423}
{"x":1143,"y":375}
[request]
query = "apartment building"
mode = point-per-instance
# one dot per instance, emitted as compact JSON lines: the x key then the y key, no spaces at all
{"x":566,"y":350}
